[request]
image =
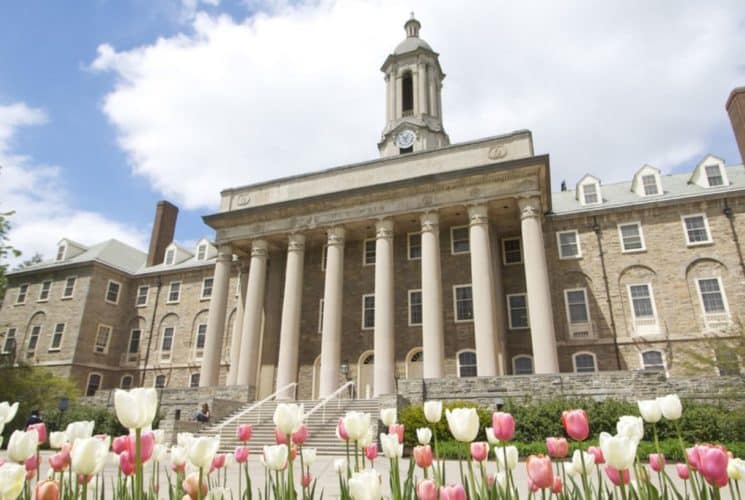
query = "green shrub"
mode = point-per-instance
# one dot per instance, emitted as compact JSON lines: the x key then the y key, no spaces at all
{"x":105,"y":420}
{"x":412,"y":417}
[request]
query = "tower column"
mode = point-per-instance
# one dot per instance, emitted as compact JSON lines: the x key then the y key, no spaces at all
{"x":433,"y":338}
{"x":249,"y":359}
{"x":432,"y":97}
{"x":289,"y":336}
{"x":385,"y":357}
{"x":332,"y":312}
{"x":398,"y":101}
{"x":540,"y":312}
{"x":390,"y":91}
{"x":235,"y":341}
{"x":210,"y":373}
{"x":422,"y":90}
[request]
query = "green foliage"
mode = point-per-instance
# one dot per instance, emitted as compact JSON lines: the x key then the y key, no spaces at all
{"x":106,"y":421}
{"x":412,"y":417}
{"x":6,"y":250}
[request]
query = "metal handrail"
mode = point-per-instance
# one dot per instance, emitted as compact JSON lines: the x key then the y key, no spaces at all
{"x":254,"y":406}
{"x":325,"y":400}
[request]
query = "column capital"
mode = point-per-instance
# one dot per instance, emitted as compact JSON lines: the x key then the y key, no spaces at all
{"x":296,"y":242}
{"x":384,"y":229}
{"x":335,"y":236}
{"x":224,"y":252}
{"x":530,"y":207}
{"x":478,"y":214}
{"x":430,"y":222}
{"x":259,"y":248}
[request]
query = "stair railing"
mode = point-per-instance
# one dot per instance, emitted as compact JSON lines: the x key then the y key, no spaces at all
{"x":256,"y":406}
{"x":324,"y":402}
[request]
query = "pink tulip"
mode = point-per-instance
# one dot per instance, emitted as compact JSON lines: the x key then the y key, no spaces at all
{"x":218,"y":462}
{"x":615,"y":476}
{"x":397,"y":429}
{"x":341,"y":431}
{"x":713,"y":464}
{"x":293,"y":452}
{"x":532,"y":487}
{"x":657,"y":461}
{"x":279,"y":437}
{"x":452,"y":492}
{"x":241,"y":454}
{"x":558,"y":447}
{"x":557,"y":487}
{"x":126,"y":464}
{"x":684,"y":472}
{"x":426,"y":490}
{"x":540,"y":471}
{"x":596,"y":452}
{"x":503,"y":425}
{"x":30,"y":474}
{"x":244,"y":432}
{"x":47,"y":490}
{"x":307,"y":480}
{"x":84,"y":479}
{"x":371,"y":452}
{"x":31,"y":463}
{"x":576,"y":424}
{"x":2,"y":462}
{"x":479,"y":451}
{"x":423,"y":456}
{"x":59,"y":461}
{"x":693,"y":459}
{"x":491,"y":479}
{"x":191,"y":486}
{"x":120,"y":444}
{"x":41,"y":431}
{"x":301,"y":435}
{"x":147,"y":444}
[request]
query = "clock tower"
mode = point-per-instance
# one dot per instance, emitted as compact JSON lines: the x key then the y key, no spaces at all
{"x":414,"y":108}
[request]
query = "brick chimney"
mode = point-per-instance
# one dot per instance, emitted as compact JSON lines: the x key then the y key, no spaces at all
{"x":164,"y":227}
{"x":736,"y":110}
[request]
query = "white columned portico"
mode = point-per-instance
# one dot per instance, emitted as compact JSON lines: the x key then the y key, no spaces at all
{"x":235,"y":341}
{"x":210,"y":373}
{"x":249,"y":358}
{"x":385,"y":356}
{"x":433,"y":337}
{"x":332,"y":312}
{"x":289,"y":336}
{"x":484,"y":318}
{"x":540,"y":312}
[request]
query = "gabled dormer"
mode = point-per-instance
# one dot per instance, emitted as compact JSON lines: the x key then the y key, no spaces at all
{"x":587,"y":191}
{"x":67,"y":249}
{"x":647,"y":181}
{"x":176,"y":254}
{"x":711,"y":172}
{"x":205,"y":250}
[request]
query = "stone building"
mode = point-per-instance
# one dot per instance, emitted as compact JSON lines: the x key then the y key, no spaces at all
{"x":435,"y":260}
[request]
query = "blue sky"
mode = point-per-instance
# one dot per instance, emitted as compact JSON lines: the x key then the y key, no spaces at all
{"x":108,"y":106}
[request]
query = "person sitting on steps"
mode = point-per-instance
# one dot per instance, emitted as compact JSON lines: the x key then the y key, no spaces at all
{"x":203,"y":415}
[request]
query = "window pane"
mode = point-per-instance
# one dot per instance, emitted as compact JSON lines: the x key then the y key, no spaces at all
{"x":711,"y":295}
{"x":460,"y":240}
{"x":467,"y":364}
{"x":591,"y":193}
{"x":94,"y":382}
{"x":652,"y":359}
{"x":142,"y":295}
{"x":650,"y":184}
{"x":642,"y":301}
{"x":207,"y":288}
{"x":201,"y":336}
{"x":102,"y":339}
{"x":631,"y":235}
{"x":69,"y":287}
{"x":523,"y":365}
{"x":577,"y":306}
{"x":160,"y":381}
{"x":696,"y":229}
{"x":201,"y":251}
{"x":512,"y":254}
{"x":113,"y":293}
{"x":167,"y":339}
{"x":59,"y":330}
{"x":194,"y":381}
{"x":34,"y":338}
{"x":415,"y":246}
{"x":174,"y":292}
{"x":518,"y":311}
{"x":126,"y":382}
{"x":463,"y":303}
{"x":714,"y":175}
{"x":134,"y":341}
{"x":369,"y":251}
{"x":584,"y":363}
{"x":368,"y":319}
{"x":415,"y":308}
{"x":568,"y":244}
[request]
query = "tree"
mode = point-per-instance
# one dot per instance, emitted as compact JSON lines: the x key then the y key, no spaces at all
{"x":722,"y":352}
{"x":6,"y":250}
{"x":35,"y":259}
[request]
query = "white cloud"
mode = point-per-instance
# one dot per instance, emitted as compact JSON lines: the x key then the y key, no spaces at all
{"x":297,"y":87}
{"x":43,"y":210}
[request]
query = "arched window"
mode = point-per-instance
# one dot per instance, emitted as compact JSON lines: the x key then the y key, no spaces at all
{"x":94,"y":384}
{"x":584,"y":362}
{"x":467,"y":363}
{"x":416,"y":357}
{"x":407,"y":94}
{"x":126,"y":382}
{"x":370,"y":359}
{"x":522,"y":365}
{"x":160,"y":381}
{"x":653,"y":360}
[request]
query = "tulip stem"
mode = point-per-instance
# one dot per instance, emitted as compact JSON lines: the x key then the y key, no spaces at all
{"x":585,"y":484}
{"x":691,"y":472}
{"x":623,"y":484}
{"x":290,"y":475}
{"x":199,"y":484}
{"x":138,"y":463}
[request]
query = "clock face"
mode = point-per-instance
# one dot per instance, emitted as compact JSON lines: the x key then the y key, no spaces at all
{"x":405,"y":138}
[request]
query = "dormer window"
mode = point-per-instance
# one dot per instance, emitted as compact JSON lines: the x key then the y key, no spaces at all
{"x":649,"y":184}
{"x":170,"y":256}
{"x":60,"y":252}
{"x":588,"y":190}
{"x":201,"y":251}
{"x":590,"y":193}
{"x":714,"y":175}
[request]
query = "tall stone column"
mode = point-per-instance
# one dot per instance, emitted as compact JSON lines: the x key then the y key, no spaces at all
{"x":432,"y":93}
{"x":249,"y":358}
{"x":235,"y":341}
{"x":422,"y":91}
{"x":433,"y":337}
{"x":289,"y":336}
{"x":482,"y":286}
{"x":385,"y":356}
{"x":391,"y":96}
{"x":210,"y":373}
{"x":332,"y":312}
{"x":540,"y":312}
{"x":398,"y":100}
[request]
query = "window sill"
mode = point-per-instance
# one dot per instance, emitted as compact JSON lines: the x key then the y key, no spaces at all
{"x":518,"y":328}
{"x":466,"y":252}
{"x":170,"y":303}
{"x":463,"y":320}
{"x":508,"y":264}
{"x":67,"y":298}
{"x":699,"y":243}
{"x":571,"y":257}
{"x":638,"y":250}
{"x":140,"y":306}
{"x":19,"y":304}
{"x":112,"y":303}
{"x":56,"y":349}
{"x":42,"y":301}
{"x":414,"y":258}
{"x":202,"y":299}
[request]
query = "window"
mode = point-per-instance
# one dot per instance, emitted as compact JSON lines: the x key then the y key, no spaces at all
{"x":415,"y":307}
{"x":324,"y":251}
{"x":517,"y":311}
{"x":94,"y":383}
{"x":642,"y":308}
{"x":33,"y":339}
{"x":112,"y":292}
{"x":714,"y":175}
{"x":174,"y":292}
{"x":166,"y":343}
{"x":368,"y":311}
{"x":584,"y":362}
{"x":102,"y":339}
{"x":463,"y":302}
{"x":170,"y":256}
{"x":649,"y":184}
{"x":160,"y":382}
{"x":142,"y":296}
{"x":511,"y":251}
{"x":207,"y":288}
{"x":631,"y":237}
{"x":320,"y":316}
{"x":194,"y":380}
{"x":522,"y":365}
{"x":407,"y":94}
{"x":135,"y":336}
{"x":728,"y":362}
{"x":696,"y":228}
{"x":46,"y":286}
{"x":590,"y":193}
{"x":467,"y":364}
{"x":368,"y":254}
{"x":60,"y":253}
{"x":22,"y":292}
{"x":201,"y":251}
{"x":69,"y":287}
{"x":568,"y":244}
{"x":578,"y":313}
{"x":459,"y":242}
{"x":59,"y":331}
{"x":10,"y":341}
{"x":711,"y":296}
{"x":653,"y":360}
{"x":415,"y":246}
{"x":126,"y":382}
{"x":201,"y":337}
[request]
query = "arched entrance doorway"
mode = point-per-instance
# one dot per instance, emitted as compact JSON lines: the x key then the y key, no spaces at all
{"x":365,"y":374}
{"x":414,"y":363}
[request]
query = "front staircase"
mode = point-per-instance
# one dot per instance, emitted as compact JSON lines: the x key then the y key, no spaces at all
{"x":321,"y":425}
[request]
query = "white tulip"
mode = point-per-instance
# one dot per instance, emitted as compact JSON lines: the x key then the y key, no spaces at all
{"x":309,"y":456}
{"x":22,"y":445}
{"x":736,"y":469}
{"x":365,"y":485}
{"x":275,"y":457}
{"x":136,"y":408}
{"x":7,"y":412}
{"x":202,"y":450}
{"x":159,"y":452}
{"x":288,"y":417}
{"x":512,"y":456}
{"x":650,"y":410}
{"x":12,"y":479}
{"x":57,"y":440}
{"x":178,"y":455}
{"x":112,"y":459}
{"x":356,"y":424}
{"x":88,"y":456}
{"x":423,"y":435}
{"x":619,"y":451}
{"x":569,"y":469}
{"x":490,"y":437}
{"x":184,"y":439}
{"x":388,"y":416}
{"x":433,"y":411}
{"x":589,"y":461}
{"x":671,"y":407}
{"x":366,"y":440}
{"x":390,"y":446}
{"x":340,"y":465}
{"x":160,"y":436}
{"x":501,"y":479}
{"x":79,"y":430}
{"x":631,"y":427}
{"x":463,"y":424}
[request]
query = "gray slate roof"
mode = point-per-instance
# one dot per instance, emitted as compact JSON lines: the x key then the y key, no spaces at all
{"x":112,"y":252}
